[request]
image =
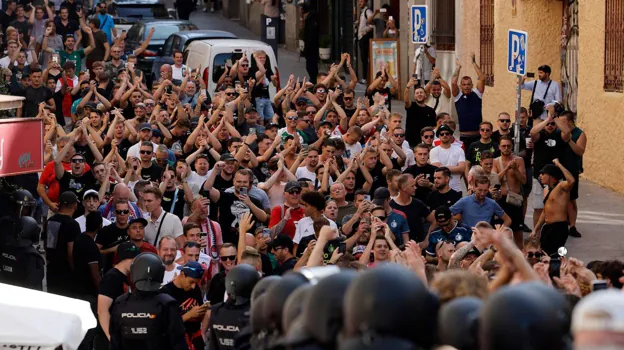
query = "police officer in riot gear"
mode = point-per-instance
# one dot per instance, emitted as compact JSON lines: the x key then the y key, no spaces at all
{"x":146,"y":319}
{"x":372,"y":303}
{"x":20,"y":263}
{"x":457,"y":323}
{"x":227,"y":319}
{"x":247,"y":339}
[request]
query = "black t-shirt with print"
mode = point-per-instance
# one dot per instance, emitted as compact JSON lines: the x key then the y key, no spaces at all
{"x":108,"y":237}
{"x":436,"y":199}
{"x":547,"y":148}
{"x":153,"y":173}
{"x":78,"y":185}
{"x":219,"y":184}
{"x":86,"y":253}
{"x":186,"y":301}
{"x":473,"y":155}
{"x":86,"y":152}
{"x":417,"y":118}
{"x":379,"y":180}
{"x":231,"y":210}
{"x":167,"y":201}
{"x":385,"y":92}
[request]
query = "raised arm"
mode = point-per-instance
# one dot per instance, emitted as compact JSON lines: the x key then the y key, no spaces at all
{"x":455,"y":79}
{"x":480,"y":75}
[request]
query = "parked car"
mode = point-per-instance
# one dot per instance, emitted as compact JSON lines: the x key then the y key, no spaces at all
{"x":180,"y":41}
{"x":214,"y":54}
{"x":127,"y":12}
{"x":138,"y":34}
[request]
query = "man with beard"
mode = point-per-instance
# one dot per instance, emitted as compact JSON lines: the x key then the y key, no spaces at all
{"x":209,"y":231}
{"x":478,"y":207}
{"x":102,"y":47}
{"x":115,"y":64}
{"x":285,"y":217}
{"x":227,"y":256}
{"x":445,"y":250}
{"x":308,"y":171}
{"x":512,"y":174}
{"x":70,"y":53}
{"x":447,"y":155}
{"x":422,"y":171}
{"x":438,"y":94}
{"x":145,"y":133}
{"x":91,"y":203}
{"x":149,"y":170}
{"x":415,"y":210}
{"x":443,"y":195}
{"x":136,"y":234}
{"x":107,"y":25}
{"x":468,"y":102}
{"x":448,"y":230}
{"x":79,"y":179}
{"x":419,"y":115}
{"x":167,"y":252}
{"x":544,"y":89}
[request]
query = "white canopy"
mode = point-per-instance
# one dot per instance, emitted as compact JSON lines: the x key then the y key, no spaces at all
{"x":42,"y":320}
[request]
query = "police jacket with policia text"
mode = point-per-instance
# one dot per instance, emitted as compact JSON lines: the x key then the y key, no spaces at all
{"x":21,"y":266}
{"x":226,"y":321}
{"x":146,"y":321}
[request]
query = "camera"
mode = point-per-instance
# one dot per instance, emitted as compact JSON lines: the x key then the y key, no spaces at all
{"x":558,"y":108}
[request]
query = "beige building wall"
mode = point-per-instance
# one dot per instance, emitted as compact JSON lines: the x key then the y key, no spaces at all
{"x":600,"y":113}
{"x":544,"y":46}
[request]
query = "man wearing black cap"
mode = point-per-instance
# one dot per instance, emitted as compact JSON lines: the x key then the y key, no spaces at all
{"x":282,"y":247}
{"x":250,"y":125}
{"x":286,"y":217}
{"x":448,"y":229}
{"x":136,"y":234}
{"x":185,"y":290}
{"x":396,"y":220}
{"x":61,"y":233}
{"x":114,"y":283}
{"x":448,"y":156}
{"x":552,"y":225}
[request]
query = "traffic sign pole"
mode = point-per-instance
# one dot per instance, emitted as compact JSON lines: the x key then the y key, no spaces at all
{"x":517,"y":123}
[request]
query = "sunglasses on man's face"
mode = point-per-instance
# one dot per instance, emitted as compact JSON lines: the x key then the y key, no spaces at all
{"x":485,"y":130}
{"x":292,"y":118}
{"x":347,"y":98}
{"x":320,"y":91}
{"x":150,"y":104}
{"x":505,"y":120}
{"x":536,"y":255}
{"x":310,"y":112}
{"x":551,"y":124}
{"x":381,"y":217}
{"x":294,"y":192}
{"x":122,"y":212}
{"x":146,"y":152}
{"x":399,"y":135}
{"x":77,"y":161}
{"x":230,"y":93}
{"x":228,"y":257}
{"x":427,"y":136}
{"x":244,"y":65}
{"x":445,"y":134}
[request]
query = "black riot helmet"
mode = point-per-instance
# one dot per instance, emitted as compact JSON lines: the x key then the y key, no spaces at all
{"x":377,"y":342}
{"x":147,"y":272}
{"x":262,"y":286}
{"x":22,"y":203}
{"x":458,"y":321}
{"x":239,"y":283}
{"x":390,"y":301}
{"x":293,"y":308}
{"x":523,"y":317}
{"x":275,"y":297}
{"x":322,"y":313}
{"x":30,"y":231}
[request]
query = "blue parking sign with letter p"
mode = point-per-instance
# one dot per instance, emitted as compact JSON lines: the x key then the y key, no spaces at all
{"x":517,"y":43}
{"x":420,"y":30}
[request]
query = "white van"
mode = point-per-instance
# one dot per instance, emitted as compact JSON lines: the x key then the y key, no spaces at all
{"x":214,"y":54}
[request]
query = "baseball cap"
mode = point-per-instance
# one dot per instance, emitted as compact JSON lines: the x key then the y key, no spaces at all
{"x":192,"y":269}
{"x":127,"y":250}
{"x":444,"y":127}
{"x":250,"y":109}
{"x":291,"y":185}
{"x":326,"y":122}
{"x":68,"y":197}
{"x":91,"y":193}
{"x":91,"y":105}
{"x":380,"y":196}
{"x":283,"y":241}
{"x":443,"y":213}
{"x":157,"y":133}
{"x":145,"y":126}
{"x":600,"y":311}
{"x":552,"y":170}
{"x":141,"y":220}
{"x":226,"y":157}
{"x":271,"y":125}
{"x":302,"y":100}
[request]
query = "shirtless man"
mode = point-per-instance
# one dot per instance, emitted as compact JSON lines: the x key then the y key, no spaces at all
{"x":554,"y":219}
{"x":512,"y":175}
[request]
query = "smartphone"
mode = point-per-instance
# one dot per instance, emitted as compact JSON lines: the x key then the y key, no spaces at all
{"x":383,"y":10}
{"x":367,"y":197}
{"x":203,"y":234}
{"x":243,"y":191}
{"x":87,"y":72}
{"x":342,"y":247}
{"x":207,"y":303}
{"x":252,"y":131}
{"x":55,"y":59}
{"x":497,"y":187}
{"x":530,"y":75}
{"x":169,"y":89}
{"x":599,"y":285}
{"x":554,"y":268}
{"x":415,"y":76}
{"x":390,"y":18}
{"x":266,"y":233}
{"x":183,"y":71}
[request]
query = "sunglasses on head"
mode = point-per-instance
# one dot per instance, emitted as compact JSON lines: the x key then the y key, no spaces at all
{"x":399,"y":135}
{"x":122,"y":212}
{"x":537,"y":255}
{"x":427,"y":136}
{"x":228,"y":257}
{"x":77,"y":160}
{"x":146,"y":152}
{"x":505,"y":120}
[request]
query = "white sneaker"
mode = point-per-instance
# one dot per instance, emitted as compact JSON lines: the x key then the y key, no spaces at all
{"x":212,"y":9}
{"x":205,"y":9}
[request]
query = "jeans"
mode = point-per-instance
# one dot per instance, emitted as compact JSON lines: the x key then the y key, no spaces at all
{"x":265,"y":108}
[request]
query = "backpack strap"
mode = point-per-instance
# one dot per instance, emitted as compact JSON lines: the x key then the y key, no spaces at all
{"x":533,"y":93}
{"x":547,"y":87}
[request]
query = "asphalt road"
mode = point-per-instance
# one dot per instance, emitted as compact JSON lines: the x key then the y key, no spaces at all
{"x":601,"y":211}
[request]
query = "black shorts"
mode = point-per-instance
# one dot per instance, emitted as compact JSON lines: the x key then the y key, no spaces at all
{"x":554,"y":236}
{"x":575,"y":188}
{"x":515,"y":213}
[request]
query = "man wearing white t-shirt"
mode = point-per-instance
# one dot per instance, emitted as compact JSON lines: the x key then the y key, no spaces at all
{"x":352,"y":141}
{"x":179,"y":69}
{"x":439,"y":94}
{"x":167,"y":253}
{"x":91,"y":203}
{"x":159,"y":222}
{"x":311,"y":163}
{"x":313,"y":206}
{"x":447,"y":155}
{"x":428,"y":62}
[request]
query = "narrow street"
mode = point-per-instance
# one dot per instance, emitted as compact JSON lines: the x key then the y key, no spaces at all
{"x":601,"y":211}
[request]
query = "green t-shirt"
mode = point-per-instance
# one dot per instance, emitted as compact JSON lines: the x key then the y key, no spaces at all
{"x":75,"y":57}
